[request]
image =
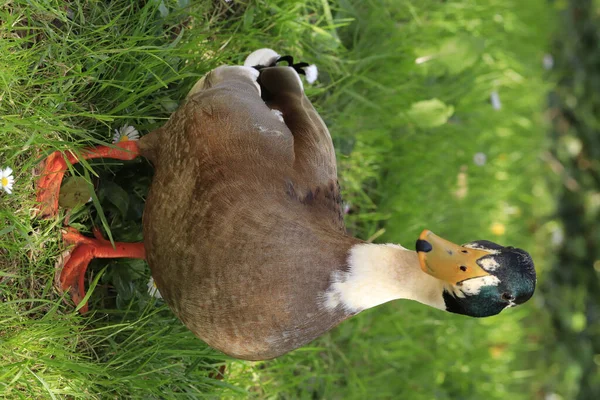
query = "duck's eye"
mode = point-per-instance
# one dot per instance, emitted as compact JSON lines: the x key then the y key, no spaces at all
{"x":463,"y":268}
{"x":507,"y":297}
{"x":464,"y":251}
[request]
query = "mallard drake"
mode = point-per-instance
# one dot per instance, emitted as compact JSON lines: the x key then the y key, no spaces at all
{"x":244,"y":230}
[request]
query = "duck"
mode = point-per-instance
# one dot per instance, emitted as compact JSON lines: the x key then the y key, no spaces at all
{"x":243,"y":228}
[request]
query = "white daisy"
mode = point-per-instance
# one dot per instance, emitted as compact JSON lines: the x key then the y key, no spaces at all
{"x":6,"y":180}
{"x":125,"y":133}
{"x":153,"y":290}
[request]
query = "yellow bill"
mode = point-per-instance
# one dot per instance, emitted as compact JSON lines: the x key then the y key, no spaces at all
{"x":448,"y":261}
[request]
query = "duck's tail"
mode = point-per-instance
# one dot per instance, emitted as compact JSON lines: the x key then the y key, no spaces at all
{"x":264,"y":58}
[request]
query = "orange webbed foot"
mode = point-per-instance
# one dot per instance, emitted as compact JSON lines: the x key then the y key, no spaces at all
{"x":55,"y":166}
{"x":53,"y":170}
{"x":75,"y":263}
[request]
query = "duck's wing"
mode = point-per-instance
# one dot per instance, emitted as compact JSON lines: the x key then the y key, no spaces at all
{"x":227,"y":93}
{"x":316,"y":181}
{"x":314,"y":155}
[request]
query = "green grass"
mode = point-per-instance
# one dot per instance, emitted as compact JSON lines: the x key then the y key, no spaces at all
{"x":406,"y":134}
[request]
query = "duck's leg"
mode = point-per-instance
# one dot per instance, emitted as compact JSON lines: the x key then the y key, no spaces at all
{"x":86,"y":248}
{"x":55,"y":166}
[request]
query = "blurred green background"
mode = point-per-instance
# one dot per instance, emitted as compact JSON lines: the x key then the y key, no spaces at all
{"x":476,"y":119}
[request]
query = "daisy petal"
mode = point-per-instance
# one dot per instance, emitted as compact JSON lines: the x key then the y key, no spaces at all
{"x":125,"y":133}
{"x":153,"y":290}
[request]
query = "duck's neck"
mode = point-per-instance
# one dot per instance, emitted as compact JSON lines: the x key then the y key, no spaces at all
{"x":378,"y":273}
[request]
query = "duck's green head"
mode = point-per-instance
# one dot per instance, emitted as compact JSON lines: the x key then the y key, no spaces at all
{"x":483,"y":278}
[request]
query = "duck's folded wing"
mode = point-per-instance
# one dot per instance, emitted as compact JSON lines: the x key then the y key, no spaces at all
{"x":281,"y":89}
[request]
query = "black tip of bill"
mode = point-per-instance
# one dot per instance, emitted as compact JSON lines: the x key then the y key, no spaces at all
{"x":423,"y":246}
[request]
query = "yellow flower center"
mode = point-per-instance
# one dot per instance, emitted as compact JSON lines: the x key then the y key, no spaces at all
{"x":124,"y":138}
{"x":4,"y":182}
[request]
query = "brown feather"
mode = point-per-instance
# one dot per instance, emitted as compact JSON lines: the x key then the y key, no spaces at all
{"x":243,"y":226}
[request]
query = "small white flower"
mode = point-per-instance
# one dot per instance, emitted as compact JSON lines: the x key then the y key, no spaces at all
{"x":495,"y":100}
{"x":548,"y":61}
{"x":125,"y":133}
{"x":312,"y":73}
{"x":6,"y":180}
{"x":153,"y":290}
{"x":480,"y":159}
